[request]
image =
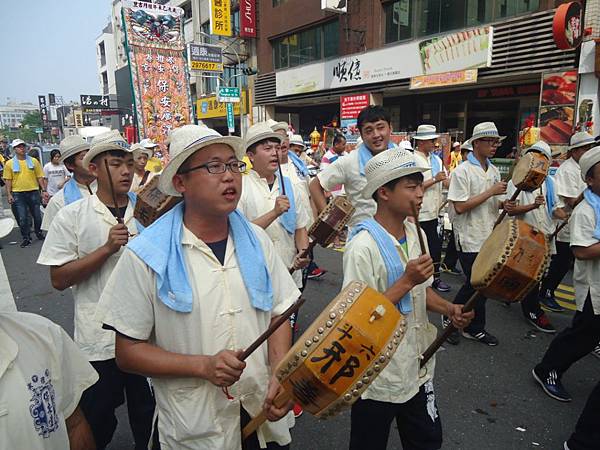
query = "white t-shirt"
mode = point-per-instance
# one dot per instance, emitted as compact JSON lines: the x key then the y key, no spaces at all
{"x":42,"y":377}
{"x":586,"y":274}
{"x":193,"y":413}
{"x":301,"y":185}
{"x":78,"y":230}
{"x":399,"y":381}
{"x":568,"y":182}
{"x":473,"y":227}
{"x":433,"y":198}
{"x":57,"y":202}
{"x":257,"y":200}
{"x":56,"y":175}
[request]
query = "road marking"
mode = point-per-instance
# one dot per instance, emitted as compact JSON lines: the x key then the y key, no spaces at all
{"x":566,"y":287}
{"x":564,"y":296}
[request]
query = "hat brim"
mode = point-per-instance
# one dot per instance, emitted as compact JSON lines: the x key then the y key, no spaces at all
{"x":474,"y":138}
{"x":400,"y":172}
{"x":582,"y":144}
{"x":261,"y":137}
{"x":102,"y":148}
{"x":299,"y":145}
{"x":165,"y":182}
{"x":426,"y":137}
{"x":593,"y":161}
{"x":73,"y":151}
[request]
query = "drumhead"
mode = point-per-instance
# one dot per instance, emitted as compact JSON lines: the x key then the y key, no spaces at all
{"x":491,"y":253}
{"x":522,"y":169}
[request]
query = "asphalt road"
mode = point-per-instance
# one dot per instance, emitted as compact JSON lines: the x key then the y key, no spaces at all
{"x":486,"y":396}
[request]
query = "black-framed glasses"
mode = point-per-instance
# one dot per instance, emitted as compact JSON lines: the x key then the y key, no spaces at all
{"x":491,"y":141}
{"x":217,"y":167}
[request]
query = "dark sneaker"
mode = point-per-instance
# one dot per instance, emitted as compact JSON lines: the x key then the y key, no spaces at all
{"x":549,"y":303}
{"x":440,"y":286}
{"x":483,"y":336}
{"x":40,"y":236}
{"x":596,"y":351}
{"x":316,"y":273}
{"x":25,"y":243}
{"x":541,"y":322}
{"x":551,"y":385}
{"x":454,"y":337}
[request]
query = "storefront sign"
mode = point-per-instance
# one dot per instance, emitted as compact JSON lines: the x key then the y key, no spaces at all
{"x":205,"y":58}
{"x":94,"y":101}
{"x":444,"y":79}
{"x":567,"y":26}
{"x":352,"y":105}
{"x":211,"y":108}
{"x":220,"y":17}
{"x":43,"y":108}
{"x":557,"y":106}
{"x":78,"y":115}
{"x":509,"y":91}
{"x":390,"y":63}
{"x":248,"y":18}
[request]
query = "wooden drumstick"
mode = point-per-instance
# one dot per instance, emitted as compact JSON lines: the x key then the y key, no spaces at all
{"x":416,"y":216}
{"x":112,"y":191}
{"x":280,"y":174}
{"x":304,"y":254}
{"x":89,"y":189}
{"x":504,"y":212}
{"x":261,"y":418}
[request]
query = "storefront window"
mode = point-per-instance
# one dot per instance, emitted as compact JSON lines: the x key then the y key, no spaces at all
{"x":398,"y":23}
{"x":331,"y":39}
{"x":307,"y":46}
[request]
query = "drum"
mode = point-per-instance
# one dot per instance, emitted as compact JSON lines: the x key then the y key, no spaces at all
{"x":530,"y":172}
{"x":343,"y":351}
{"x":511,"y":261}
{"x":152,"y":202}
{"x":331,"y":221}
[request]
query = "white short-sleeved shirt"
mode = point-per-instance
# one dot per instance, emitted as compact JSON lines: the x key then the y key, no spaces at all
{"x":135,"y":184}
{"x":568,"y":182}
{"x":346,"y":171}
{"x":586,"y":274}
{"x":257,"y":200}
{"x":300,"y":184}
{"x":57,"y":202}
{"x":433,"y":198}
{"x":473,"y":227}
{"x":399,"y":381}
{"x":193,"y":413}
{"x":329,"y":158}
{"x":55,"y":174}
{"x":42,"y":377}
{"x":78,"y":230}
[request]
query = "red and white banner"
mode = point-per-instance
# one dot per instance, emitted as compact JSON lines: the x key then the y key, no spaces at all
{"x":352,"y":105}
{"x":248,"y":18}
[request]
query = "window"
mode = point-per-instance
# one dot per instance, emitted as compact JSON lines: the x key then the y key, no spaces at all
{"x":398,"y":25}
{"x":306,"y":46}
{"x":187,"y":10}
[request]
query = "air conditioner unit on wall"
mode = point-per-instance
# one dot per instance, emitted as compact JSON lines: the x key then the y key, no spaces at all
{"x":336,"y":6}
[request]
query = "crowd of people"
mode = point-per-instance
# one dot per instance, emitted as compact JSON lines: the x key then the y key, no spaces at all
{"x":163,"y":313}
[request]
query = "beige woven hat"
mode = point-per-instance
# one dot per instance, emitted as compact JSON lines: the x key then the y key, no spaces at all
{"x":148,"y":143}
{"x":580,"y":139}
{"x":541,"y":147}
{"x":105,"y":142}
{"x":589,"y":160}
{"x":296,"y":139}
{"x":387,"y":166}
{"x":277,"y":126}
{"x":187,"y":140}
{"x":138,"y":150}
{"x":260,"y":132}
{"x":485,"y":130}
{"x":71,"y":145}
{"x":426,"y":132}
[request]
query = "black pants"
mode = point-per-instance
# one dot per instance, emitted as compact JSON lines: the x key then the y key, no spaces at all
{"x":451,"y":256}
{"x":251,"y":443}
{"x":477,"y":325}
{"x":418,"y":422}
{"x":574,"y":342}
{"x":587,"y":430}
{"x":560,"y":265}
{"x":531,"y":302}
{"x":100,"y":401}
{"x":430,"y":227}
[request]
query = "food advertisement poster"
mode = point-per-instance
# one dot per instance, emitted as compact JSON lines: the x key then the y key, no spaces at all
{"x":557,"y":107}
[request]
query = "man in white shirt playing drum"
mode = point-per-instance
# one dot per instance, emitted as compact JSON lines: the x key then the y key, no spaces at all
{"x":402,"y":391}
{"x":201,"y":284}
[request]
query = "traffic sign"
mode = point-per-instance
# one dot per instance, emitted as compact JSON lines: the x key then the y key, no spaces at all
{"x":229,"y":94}
{"x":230,"y":118}
{"x":39,"y":130}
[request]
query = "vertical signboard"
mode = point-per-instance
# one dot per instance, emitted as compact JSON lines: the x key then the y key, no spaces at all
{"x":43,"y":108}
{"x":248,"y":18}
{"x":350,"y":108}
{"x":220,"y":17}
{"x":78,"y":115}
{"x":557,"y":107}
{"x":230,"y":118}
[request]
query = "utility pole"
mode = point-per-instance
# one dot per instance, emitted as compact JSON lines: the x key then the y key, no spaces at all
{"x":197,"y":25}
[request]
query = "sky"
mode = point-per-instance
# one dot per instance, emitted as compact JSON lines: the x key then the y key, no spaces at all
{"x":50,"y":46}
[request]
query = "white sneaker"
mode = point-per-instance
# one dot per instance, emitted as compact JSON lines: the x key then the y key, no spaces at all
{"x":596,"y":351}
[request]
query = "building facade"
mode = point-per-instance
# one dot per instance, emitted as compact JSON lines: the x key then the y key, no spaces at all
{"x":12,"y":114}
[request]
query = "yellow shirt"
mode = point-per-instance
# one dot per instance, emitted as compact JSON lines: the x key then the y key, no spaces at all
{"x":26,"y":179}
{"x":455,"y":160}
{"x":154,"y":165}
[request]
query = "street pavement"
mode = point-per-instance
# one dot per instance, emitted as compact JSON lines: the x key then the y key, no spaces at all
{"x":486,"y":396}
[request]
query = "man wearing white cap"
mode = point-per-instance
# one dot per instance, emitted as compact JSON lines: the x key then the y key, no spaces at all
{"x":24,"y":178}
{"x":82,"y":248}
{"x":384,"y":252}
{"x":539,"y":209}
{"x":579,"y":339}
{"x":298,"y":146}
{"x":201,"y":283}
{"x":569,"y":187}
{"x":82,"y":183}
{"x":435,"y":179}
{"x":476,"y":194}
{"x":141,"y":155}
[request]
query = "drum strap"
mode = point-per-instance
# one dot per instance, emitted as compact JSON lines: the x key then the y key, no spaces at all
{"x":144,"y":178}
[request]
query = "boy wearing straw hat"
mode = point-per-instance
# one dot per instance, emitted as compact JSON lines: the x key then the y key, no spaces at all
{"x":201,"y":283}
{"x":476,"y":194}
{"x":82,"y":184}
{"x":580,"y":338}
{"x":83,"y":245}
{"x":385,"y":253}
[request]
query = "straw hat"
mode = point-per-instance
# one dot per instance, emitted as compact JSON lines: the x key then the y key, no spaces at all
{"x":105,"y":142}
{"x":580,"y":139}
{"x":17,"y":142}
{"x":71,"y":145}
{"x":387,"y":166}
{"x":296,"y":139}
{"x":277,"y":126}
{"x":467,"y":146}
{"x":541,"y":147}
{"x":138,"y":150}
{"x":426,"y":132}
{"x":260,"y":132}
{"x":485,"y":130}
{"x":589,"y":160}
{"x":406,"y":145}
{"x":148,"y":143}
{"x":187,"y":140}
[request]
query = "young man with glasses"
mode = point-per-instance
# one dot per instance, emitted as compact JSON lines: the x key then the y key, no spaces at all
{"x":476,"y":194}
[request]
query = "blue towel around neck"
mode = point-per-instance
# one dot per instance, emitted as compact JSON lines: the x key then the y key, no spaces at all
{"x":389,"y":253}
{"x":436,"y":164}
{"x":471,"y":158}
{"x":594,"y":201}
{"x":71,"y":192}
{"x":550,"y":195}
{"x":288,"y":218}
{"x":298,"y":164}
{"x":16,"y":167}
{"x":159,"y":246}
{"x":365,"y":155}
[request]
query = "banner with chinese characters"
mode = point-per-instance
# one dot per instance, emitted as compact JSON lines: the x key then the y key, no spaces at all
{"x":248,"y":18}
{"x":468,"y":76}
{"x":220,"y":17}
{"x":350,"y":108}
{"x":155,"y":43}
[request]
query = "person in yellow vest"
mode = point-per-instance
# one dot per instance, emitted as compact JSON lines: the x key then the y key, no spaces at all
{"x":455,"y":156}
{"x":24,"y":177}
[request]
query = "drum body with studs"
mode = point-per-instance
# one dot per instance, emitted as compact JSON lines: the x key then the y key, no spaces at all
{"x":344,"y":349}
{"x":511,"y":261}
{"x":152,"y":202}
{"x":530,"y":172}
{"x":331,"y":221}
